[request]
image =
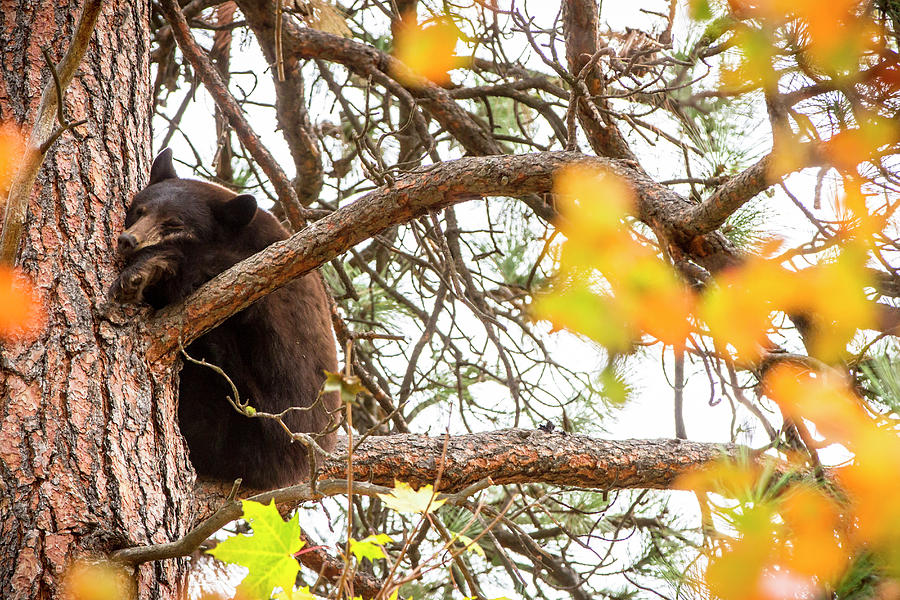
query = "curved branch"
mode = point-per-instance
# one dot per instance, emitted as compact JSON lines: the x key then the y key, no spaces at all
{"x":412,"y":196}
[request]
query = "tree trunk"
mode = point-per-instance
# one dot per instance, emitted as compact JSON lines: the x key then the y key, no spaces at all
{"x":89,"y":455}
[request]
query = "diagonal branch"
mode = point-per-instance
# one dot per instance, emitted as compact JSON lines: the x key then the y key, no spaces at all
{"x":412,"y":196}
{"x":43,"y":133}
{"x":731,"y":195}
{"x":287,"y":196}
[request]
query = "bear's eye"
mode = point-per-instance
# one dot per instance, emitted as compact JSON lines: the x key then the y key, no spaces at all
{"x":172,"y":224}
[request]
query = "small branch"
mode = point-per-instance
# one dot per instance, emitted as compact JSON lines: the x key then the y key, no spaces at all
{"x":210,"y":77}
{"x":44,"y":132}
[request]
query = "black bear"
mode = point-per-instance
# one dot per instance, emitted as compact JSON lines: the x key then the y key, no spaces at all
{"x":180,"y":233}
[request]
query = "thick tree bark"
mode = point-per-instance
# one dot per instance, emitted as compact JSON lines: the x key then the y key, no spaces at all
{"x":90,"y":458}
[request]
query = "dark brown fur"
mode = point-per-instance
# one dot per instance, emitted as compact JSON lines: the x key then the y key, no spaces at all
{"x":180,"y":233}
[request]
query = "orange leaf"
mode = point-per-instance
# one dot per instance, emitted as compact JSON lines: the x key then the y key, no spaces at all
{"x":21,"y":314}
{"x":426,"y":50}
{"x":12,"y":147}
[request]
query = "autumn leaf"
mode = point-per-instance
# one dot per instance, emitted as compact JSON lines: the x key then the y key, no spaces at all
{"x":610,"y":287}
{"x":100,"y":580}
{"x":21,"y":313}
{"x":425,"y":50}
{"x":828,"y":401}
{"x":848,"y":148}
{"x":348,"y":385}
{"x":576,"y":307}
{"x":12,"y":148}
{"x":405,"y":500}
{"x":268,"y":553}
{"x":370,"y":547}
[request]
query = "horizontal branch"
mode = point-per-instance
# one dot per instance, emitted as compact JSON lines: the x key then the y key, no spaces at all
{"x":526,"y":456}
{"x":467,"y":464}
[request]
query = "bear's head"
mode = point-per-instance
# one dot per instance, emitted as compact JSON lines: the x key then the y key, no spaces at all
{"x":172,"y":211}
{"x":179,"y":233}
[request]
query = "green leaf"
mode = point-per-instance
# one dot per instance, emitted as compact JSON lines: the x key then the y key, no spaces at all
{"x":370,"y":547}
{"x":268,"y":552}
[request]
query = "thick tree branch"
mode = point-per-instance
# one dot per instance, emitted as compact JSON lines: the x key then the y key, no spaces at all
{"x":411,"y":196}
{"x":43,"y":132}
{"x":470,"y":462}
{"x":526,"y":456}
{"x":731,"y":195}
{"x":207,"y":72}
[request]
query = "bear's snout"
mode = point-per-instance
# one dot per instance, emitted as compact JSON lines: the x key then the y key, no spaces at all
{"x":127,"y":243}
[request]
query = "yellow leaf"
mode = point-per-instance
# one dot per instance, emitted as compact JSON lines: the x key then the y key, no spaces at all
{"x":404,"y":499}
{"x":426,"y":50}
{"x":577,"y":308}
{"x":469,"y":544}
{"x":592,"y":203}
{"x":736,"y":309}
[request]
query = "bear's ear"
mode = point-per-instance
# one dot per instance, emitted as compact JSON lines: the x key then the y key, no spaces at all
{"x":162,"y":167}
{"x":238,"y":211}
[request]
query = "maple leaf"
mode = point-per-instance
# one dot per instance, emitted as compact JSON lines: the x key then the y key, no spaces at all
{"x":268,"y":553}
{"x":406,"y":500}
{"x":370,"y":547}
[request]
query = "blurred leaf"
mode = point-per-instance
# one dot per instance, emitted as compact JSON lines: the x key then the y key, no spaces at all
{"x":370,"y":547}
{"x":348,"y":385}
{"x":426,"y":49}
{"x":21,"y":313}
